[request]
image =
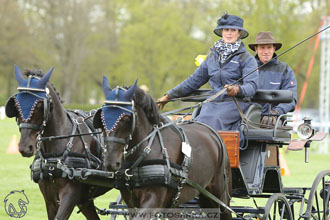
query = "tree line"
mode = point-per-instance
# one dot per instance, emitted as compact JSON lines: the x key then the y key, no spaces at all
{"x":155,"y":41}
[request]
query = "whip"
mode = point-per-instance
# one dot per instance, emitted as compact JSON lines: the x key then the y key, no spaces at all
{"x":224,"y":89}
{"x":211,"y":98}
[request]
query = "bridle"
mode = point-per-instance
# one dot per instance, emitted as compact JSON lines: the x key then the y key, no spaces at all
{"x":46,"y":104}
{"x":121,"y":105}
{"x":47,"y":110}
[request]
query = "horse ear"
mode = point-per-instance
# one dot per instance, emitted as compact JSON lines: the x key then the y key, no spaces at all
{"x":43,"y":81}
{"x":105,"y":86}
{"x":10,"y":109}
{"x":130,"y":92}
{"x":19,"y":77}
{"x":97,"y":122}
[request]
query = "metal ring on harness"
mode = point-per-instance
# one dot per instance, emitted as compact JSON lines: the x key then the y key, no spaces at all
{"x":179,"y":120}
{"x":79,"y":120}
{"x":126,"y":173}
{"x":71,"y":174}
{"x":83,"y":174}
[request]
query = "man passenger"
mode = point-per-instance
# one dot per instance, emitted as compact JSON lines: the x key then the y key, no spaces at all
{"x":275,"y":75}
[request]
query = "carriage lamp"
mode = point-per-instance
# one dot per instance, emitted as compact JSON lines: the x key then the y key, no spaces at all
{"x":305,"y":130}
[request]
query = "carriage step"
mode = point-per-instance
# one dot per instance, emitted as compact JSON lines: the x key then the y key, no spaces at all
{"x":246,"y":209}
{"x":115,"y":205}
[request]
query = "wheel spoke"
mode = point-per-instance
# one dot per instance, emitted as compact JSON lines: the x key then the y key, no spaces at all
{"x":277,"y":207}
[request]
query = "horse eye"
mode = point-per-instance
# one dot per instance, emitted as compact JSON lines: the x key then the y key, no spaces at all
{"x":39,"y":105}
{"x":127,"y":119}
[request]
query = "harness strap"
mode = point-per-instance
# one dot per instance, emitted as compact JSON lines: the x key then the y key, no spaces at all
{"x":117,"y":140}
{"x":70,"y":143}
{"x":153,"y":132}
{"x":145,"y":152}
{"x":29,"y":126}
{"x":165,"y":153}
{"x":209,"y":195}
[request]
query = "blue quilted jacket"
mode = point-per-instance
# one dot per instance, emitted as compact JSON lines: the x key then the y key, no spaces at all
{"x":222,"y":115}
{"x":277,"y":75}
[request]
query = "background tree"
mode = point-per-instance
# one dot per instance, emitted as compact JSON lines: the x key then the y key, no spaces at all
{"x":155,"y":41}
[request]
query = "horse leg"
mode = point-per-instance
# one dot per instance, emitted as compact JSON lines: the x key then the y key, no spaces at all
{"x":49,"y":197}
{"x":69,"y":196}
{"x":149,"y":200}
{"x":89,"y":211}
{"x":222,"y":190}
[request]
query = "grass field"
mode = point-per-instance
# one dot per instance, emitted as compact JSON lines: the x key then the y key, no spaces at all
{"x":15,"y":175}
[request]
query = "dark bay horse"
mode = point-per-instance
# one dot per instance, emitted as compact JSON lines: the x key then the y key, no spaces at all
{"x":128,"y":119}
{"x":39,"y":113}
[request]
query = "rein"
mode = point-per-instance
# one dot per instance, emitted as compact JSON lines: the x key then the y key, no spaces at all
{"x":257,"y":125}
{"x":52,"y":138}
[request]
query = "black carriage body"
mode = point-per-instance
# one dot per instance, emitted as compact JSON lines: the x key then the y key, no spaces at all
{"x":259,"y":168}
{"x":259,"y":164}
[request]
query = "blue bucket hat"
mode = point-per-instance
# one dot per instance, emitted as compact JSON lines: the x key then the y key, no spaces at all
{"x":230,"y":21}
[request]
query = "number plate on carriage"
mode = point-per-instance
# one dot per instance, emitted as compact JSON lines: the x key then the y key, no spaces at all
{"x":186,"y":149}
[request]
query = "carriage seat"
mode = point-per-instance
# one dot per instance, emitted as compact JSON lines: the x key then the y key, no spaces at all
{"x":254,"y":113}
{"x":261,"y":96}
{"x":263,"y":134}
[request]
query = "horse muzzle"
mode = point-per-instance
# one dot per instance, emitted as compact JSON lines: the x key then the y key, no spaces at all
{"x":26,"y":150}
{"x":112,"y":166}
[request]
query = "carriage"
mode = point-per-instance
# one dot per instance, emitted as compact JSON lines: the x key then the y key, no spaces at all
{"x":254,"y":167}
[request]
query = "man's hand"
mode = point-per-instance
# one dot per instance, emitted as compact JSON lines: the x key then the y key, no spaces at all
{"x":161,"y":102}
{"x":232,"y":90}
{"x":269,"y":120}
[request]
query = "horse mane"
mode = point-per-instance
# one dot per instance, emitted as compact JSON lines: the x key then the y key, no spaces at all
{"x":144,"y":101}
{"x":39,"y":73}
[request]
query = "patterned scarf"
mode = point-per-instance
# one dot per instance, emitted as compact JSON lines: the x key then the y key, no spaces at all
{"x":224,"y":49}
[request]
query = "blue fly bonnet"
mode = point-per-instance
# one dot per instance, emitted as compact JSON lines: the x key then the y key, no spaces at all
{"x":118,"y":103}
{"x":31,"y":91}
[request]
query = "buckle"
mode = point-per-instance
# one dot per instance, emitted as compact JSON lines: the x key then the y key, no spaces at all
{"x":147,"y":150}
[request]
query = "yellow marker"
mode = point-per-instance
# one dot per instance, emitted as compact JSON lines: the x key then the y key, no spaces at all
{"x":200,"y":59}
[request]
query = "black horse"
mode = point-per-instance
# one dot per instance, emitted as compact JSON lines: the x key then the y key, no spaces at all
{"x":39,"y":113}
{"x":136,"y":134}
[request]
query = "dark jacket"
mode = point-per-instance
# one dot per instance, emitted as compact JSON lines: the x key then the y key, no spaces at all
{"x":277,"y":75}
{"x":221,"y":115}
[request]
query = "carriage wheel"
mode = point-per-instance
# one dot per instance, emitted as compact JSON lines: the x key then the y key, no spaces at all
{"x":318,"y":200}
{"x":277,"y":208}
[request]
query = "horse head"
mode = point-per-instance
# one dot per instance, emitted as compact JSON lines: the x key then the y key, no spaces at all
{"x":31,"y":107}
{"x":117,"y":118}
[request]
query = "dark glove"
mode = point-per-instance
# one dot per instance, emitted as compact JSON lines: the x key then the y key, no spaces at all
{"x":269,"y":120}
{"x":232,"y":90}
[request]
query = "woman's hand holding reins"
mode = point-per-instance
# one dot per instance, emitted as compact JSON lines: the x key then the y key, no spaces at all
{"x":161,"y":102}
{"x":232,"y":90}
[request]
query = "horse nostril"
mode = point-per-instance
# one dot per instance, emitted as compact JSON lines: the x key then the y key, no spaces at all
{"x":30,"y":148}
{"x":117,"y":165}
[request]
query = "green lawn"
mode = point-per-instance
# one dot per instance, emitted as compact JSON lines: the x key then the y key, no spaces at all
{"x":15,"y":175}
